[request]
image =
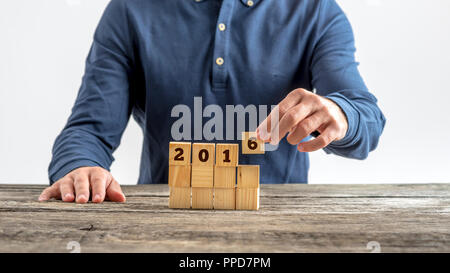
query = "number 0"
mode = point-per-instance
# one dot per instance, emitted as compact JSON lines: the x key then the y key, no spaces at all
{"x":203,"y":155}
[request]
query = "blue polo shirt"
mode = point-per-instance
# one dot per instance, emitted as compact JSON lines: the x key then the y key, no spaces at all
{"x":150,"y":55}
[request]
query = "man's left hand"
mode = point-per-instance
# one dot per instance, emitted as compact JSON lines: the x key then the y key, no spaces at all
{"x":300,"y":114}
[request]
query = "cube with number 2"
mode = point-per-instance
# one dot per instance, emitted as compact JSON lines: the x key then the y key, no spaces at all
{"x":180,"y":153}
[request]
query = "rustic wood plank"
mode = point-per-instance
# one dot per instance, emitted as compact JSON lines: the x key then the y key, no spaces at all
{"x":292,"y":218}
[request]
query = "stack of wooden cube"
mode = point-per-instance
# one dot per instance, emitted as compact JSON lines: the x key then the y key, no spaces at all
{"x":247,"y":191}
{"x":180,"y":175}
{"x":203,"y":175}
{"x":210,"y":182}
{"x":227,"y":158}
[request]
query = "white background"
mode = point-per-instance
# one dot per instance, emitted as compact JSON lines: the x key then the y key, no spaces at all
{"x":403,"y":47}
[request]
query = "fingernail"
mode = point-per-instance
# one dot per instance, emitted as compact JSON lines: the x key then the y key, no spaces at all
{"x":300,"y":148}
{"x":81,"y":196}
{"x":41,"y":198}
{"x":97,"y":197}
{"x":68,"y":195}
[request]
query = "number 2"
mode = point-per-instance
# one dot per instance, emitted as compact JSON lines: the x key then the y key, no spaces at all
{"x":179,"y":156}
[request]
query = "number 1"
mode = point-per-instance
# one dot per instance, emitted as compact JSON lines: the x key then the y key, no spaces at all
{"x":227,"y":156}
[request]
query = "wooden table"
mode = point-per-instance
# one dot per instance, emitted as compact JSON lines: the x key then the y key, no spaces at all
{"x":292,"y":218}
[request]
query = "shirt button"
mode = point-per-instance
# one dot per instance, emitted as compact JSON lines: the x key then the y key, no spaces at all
{"x":219,"y":61}
{"x":250,"y":3}
{"x":222,"y":27}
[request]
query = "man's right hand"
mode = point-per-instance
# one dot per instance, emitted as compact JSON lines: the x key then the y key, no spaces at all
{"x":77,"y":184}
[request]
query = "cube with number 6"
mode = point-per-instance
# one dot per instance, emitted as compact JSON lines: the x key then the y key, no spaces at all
{"x":251,"y":145}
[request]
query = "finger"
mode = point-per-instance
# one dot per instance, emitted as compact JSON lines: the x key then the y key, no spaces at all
{"x":98,"y":181}
{"x":325,"y":138}
{"x":81,"y":185}
{"x":50,"y":192}
{"x":306,"y":127}
{"x":114,"y":192}
{"x":66,"y":189}
{"x":265,"y":128}
{"x":289,"y":121}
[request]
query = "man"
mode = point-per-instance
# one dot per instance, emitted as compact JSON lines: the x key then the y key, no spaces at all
{"x":150,"y":55}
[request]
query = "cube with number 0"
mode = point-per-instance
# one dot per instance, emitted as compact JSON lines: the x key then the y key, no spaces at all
{"x":203,"y":154}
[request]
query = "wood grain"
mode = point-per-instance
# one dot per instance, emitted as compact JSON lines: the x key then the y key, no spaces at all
{"x":180,"y":198}
{"x":248,"y":176}
{"x":225,"y":198}
{"x":247,"y":198}
{"x":180,"y":176}
{"x":202,"y":198}
{"x":292,"y":218}
{"x":202,"y":176}
{"x":224,"y":177}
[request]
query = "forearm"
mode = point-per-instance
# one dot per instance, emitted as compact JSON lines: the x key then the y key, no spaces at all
{"x":365,"y":124}
{"x":335,"y":76}
{"x":103,"y":105}
{"x":75,"y":148}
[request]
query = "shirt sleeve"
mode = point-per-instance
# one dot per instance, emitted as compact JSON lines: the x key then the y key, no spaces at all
{"x":104,"y":102}
{"x":335,"y":75}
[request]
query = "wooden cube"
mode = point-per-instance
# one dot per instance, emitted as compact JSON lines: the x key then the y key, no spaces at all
{"x":179,"y":153}
{"x":203,"y":154}
{"x":247,"y":199}
{"x":225,"y":198}
{"x":248,"y":176}
{"x":180,"y":176}
{"x":250,"y":144}
{"x":227,"y":155}
{"x":202,"y":176}
{"x":224,"y":177}
{"x":180,"y":198}
{"x":202,"y":198}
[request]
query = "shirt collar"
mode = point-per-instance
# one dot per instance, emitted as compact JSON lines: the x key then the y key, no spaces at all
{"x":247,"y":3}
